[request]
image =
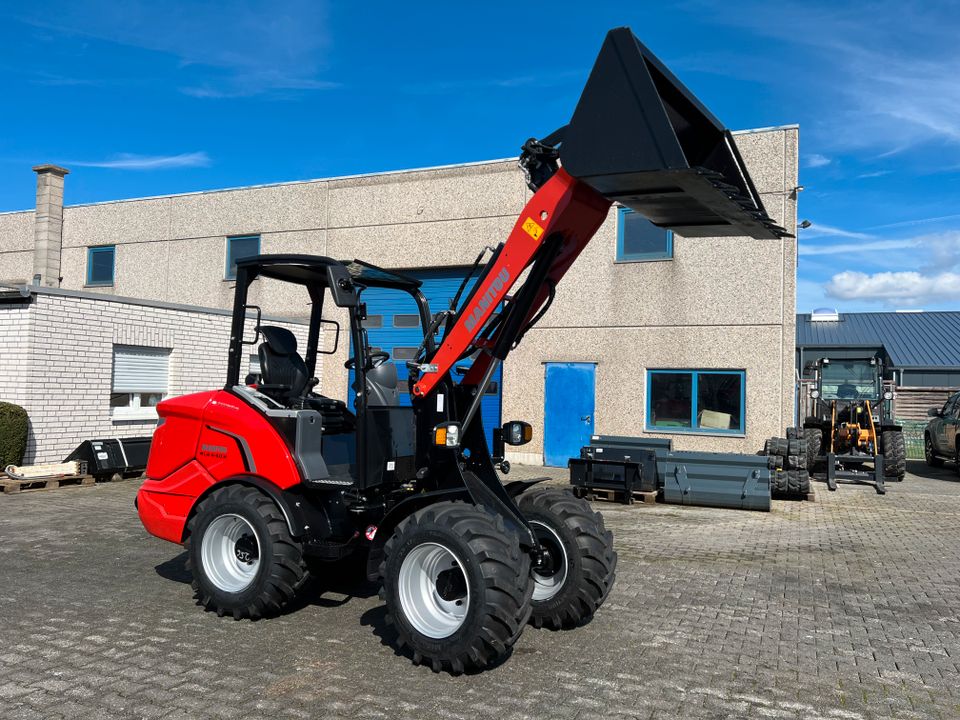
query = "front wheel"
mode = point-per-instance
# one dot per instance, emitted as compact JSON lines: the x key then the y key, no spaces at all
{"x":243,"y":560}
{"x":579,"y":562}
{"x":456,"y":586}
{"x":894,"y":455}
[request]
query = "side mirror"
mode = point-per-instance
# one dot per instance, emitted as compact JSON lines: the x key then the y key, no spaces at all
{"x":517,"y":432}
{"x":341,"y":286}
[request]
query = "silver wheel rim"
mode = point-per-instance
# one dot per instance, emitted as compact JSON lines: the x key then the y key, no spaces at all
{"x":230,"y":551}
{"x":546,"y":587}
{"x":436,"y":612}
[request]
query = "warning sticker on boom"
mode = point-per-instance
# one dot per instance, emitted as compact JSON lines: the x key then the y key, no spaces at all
{"x":532,"y":228}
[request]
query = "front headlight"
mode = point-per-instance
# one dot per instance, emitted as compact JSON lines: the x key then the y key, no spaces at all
{"x":888,"y":395}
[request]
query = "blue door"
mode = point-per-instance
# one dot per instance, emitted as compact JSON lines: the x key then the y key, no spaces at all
{"x":568,"y":411}
{"x":393,"y":325}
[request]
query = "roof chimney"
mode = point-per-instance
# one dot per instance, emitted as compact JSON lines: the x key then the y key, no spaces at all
{"x":48,"y":224}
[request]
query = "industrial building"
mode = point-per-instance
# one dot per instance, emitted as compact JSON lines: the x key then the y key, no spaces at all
{"x":664,"y":336}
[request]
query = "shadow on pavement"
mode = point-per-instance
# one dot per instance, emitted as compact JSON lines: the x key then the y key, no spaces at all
{"x":175,"y":569}
{"x":947,"y":471}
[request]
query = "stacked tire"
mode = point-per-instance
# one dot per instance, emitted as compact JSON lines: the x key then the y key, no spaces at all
{"x":788,"y":462}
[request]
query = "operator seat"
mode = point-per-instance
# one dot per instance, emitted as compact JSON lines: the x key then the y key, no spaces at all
{"x":281,"y":366}
{"x":285,"y":379}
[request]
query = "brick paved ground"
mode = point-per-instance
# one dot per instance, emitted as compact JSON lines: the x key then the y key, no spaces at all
{"x":845,"y":608}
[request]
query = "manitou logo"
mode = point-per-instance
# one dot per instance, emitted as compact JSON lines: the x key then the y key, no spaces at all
{"x":217,"y":451}
{"x":489,"y":298}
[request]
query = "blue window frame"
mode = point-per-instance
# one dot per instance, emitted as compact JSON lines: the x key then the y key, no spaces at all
{"x":100,"y":265}
{"x":240,"y":246}
{"x":639,"y":240}
{"x":696,"y":401}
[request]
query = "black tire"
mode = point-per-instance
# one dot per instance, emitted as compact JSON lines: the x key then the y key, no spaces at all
{"x":569,"y":529}
{"x":280,"y":568}
{"x":778,"y":482}
{"x":929,"y":455}
{"x":793,"y":482}
{"x":779,"y":446}
{"x":804,"y":482}
{"x":792,"y":433}
{"x":793,"y":462}
{"x":814,"y":440}
{"x":493,"y":578}
{"x":768,"y":447}
{"x":894,"y":455}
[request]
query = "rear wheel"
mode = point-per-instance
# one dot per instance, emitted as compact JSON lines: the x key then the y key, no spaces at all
{"x":243,"y":560}
{"x":929,"y":453}
{"x":579,"y":560}
{"x":456,"y":585}
{"x":894,"y":455}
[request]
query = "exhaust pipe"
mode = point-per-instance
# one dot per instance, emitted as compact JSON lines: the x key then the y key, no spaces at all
{"x":639,"y":137}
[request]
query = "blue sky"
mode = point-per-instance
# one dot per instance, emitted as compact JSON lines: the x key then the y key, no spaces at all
{"x":142,"y":98}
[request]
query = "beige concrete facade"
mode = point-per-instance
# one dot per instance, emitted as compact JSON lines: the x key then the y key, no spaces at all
{"x":719,"y":303}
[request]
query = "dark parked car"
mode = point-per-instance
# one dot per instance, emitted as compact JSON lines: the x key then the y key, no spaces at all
{"x":940,"y":437}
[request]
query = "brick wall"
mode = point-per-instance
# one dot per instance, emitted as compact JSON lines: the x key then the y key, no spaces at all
{"x":64,"y":363}
{"x":14,"y":330}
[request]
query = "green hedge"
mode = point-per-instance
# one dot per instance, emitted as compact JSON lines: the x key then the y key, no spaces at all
{"x":13,"y":434}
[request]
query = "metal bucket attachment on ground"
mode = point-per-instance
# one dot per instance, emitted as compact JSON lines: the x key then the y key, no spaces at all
{"x":641,"y":138}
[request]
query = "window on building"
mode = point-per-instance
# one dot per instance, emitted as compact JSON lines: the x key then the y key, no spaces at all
{"x":404,"y":353}
{"x":373,"y":321}
{"x":100,"y":264}
{"x":639,"y":240}
{"x":238,"y":247}
{"x":406,"y":321}
{"x":141,"y":379}
{"x":711,"y":401}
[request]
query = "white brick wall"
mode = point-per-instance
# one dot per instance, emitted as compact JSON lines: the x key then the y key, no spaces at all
{"x":56,"y":360}
{"x":14,"y":331}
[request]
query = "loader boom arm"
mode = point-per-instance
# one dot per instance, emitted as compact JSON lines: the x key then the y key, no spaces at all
{"x":554,"y":226}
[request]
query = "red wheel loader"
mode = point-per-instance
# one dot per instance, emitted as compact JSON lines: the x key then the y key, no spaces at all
{"x":260,"y":481}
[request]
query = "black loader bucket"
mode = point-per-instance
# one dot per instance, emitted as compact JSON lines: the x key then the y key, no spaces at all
{"x":641,"y":138}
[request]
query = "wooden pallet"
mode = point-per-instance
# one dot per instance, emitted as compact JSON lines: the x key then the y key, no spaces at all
{"x":638,"y":496}
{"x":10,"y":486}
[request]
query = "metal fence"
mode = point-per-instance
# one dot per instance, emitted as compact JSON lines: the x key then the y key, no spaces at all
{"x":913,"y":438}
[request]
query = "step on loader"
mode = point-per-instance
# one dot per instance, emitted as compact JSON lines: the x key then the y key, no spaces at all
{"x":264,"y":479}
{"x":850,"y":435}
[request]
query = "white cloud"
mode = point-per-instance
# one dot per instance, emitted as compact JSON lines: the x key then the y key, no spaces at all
{"x":892,"y":65}
{"x":918,"y":221}
{"x":129,"y":161}
{"x":806,"y":249}
{"x":237,"y":49}
{"x":820,"y":230}
{"x":895,"y":288}
{"x":815,"y":160}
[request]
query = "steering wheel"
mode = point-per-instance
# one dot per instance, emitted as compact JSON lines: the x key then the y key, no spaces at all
{"x":375,"y":359}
